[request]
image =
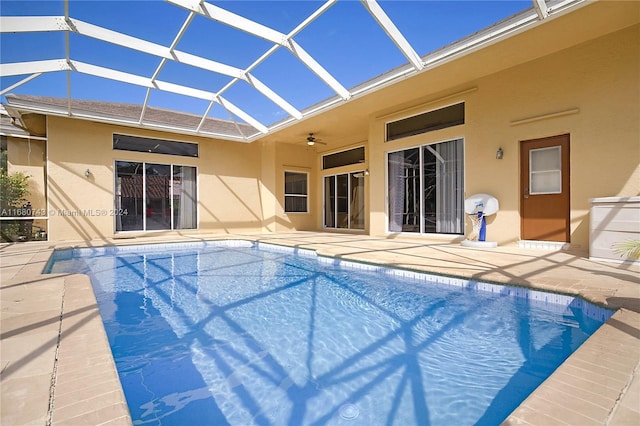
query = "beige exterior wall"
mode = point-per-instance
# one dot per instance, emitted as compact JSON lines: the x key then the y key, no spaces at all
{"x":590,"y":91}
{"x":29,"y":156}
{"x":594,"y":86}
{"x":231,"y":195}
{"x":296,"y":158}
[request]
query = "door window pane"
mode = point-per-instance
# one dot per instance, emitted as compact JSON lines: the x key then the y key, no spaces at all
{"x":129,"y":195}
{"x":158,"y":196}
{"x":545,"y":174}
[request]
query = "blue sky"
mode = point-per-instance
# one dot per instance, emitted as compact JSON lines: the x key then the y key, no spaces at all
{"x":345,"y":40}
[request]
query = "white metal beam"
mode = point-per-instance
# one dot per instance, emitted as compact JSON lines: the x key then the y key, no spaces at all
{"x":243,"y":115}
{"x":20,"y":83}
{"x":314,"y":66}
{"x":229,"y":18}
{"x":58,"y":23}
{"x":266,"y":91}
{"x":236,"y":21}
{"x":393,"y":32}
{"x":144,"y":46}
{"x":165,"y":86}
{"x":315,"y":15}
{"x":23,"y":68}
{"x":25,"y":24}
{"x":541,"y":8}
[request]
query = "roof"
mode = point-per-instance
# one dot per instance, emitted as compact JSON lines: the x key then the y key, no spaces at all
{"x":131,"y":114}
{"x":265,"y":74}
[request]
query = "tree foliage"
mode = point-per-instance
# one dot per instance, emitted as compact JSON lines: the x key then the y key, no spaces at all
{"x":14,"y":188}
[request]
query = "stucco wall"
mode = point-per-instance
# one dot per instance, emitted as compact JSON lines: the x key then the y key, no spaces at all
{"x":296,"y":158}
{"x":229,"y":180}
{"x":590,"y":91}
{"x":595,"y":87}
{"x":28,"y":156}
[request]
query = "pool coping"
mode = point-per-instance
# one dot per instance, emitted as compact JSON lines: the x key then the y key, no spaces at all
{"x":598,"y":384}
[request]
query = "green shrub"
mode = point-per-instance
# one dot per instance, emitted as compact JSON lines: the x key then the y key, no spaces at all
{"x":13,"y":196}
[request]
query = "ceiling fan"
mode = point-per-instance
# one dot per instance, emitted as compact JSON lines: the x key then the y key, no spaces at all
{"x":312,"y":140}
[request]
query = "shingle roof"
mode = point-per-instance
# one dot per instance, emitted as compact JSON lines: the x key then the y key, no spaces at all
{"x":131,"y":113}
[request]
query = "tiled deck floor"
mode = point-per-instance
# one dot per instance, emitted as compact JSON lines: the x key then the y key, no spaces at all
{"x":57,"y":368}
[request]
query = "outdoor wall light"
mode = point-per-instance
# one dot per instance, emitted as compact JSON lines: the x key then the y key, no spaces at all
{"x":499,"y":154}
{"x":87,"y":173}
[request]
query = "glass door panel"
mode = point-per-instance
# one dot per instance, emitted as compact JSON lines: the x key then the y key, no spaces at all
{"x":357,"y":200}
{"x":129,"y":196}
{"x":342,"y":201}
{"x":329,"y":201}
{"x":184,"y":197}
{"x":158,"y":196}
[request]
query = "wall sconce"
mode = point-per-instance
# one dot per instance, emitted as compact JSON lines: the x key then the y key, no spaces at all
{"x":499,"y":154}
{"x":366,"y":172}
{"x":87,"y":173}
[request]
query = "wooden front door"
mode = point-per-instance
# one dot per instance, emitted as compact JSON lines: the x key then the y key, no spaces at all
{"x":544,"y":189}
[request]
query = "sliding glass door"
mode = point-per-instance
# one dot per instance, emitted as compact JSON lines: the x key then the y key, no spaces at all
{"x":344,"y":201}
{"x":426,"y":189}
{"x":155,"y":196}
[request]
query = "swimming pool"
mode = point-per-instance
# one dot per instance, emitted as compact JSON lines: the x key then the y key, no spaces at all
{"x":242,"y":333}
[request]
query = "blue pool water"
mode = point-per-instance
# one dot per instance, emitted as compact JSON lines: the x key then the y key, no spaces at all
{"x":241,"y":334}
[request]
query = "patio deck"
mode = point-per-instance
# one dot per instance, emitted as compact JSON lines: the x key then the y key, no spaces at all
{"x":57,"y":367}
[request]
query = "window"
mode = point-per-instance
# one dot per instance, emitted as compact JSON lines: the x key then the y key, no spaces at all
{"x":344,"y":201}
{"x":343,"y":158}
{"x":429,"y":121}
{"x":151,"y":196}
{"x":295,"y":192}
{"x":156,"y":146}
{"x":545,"y":171}
{"x":426,"y":189}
